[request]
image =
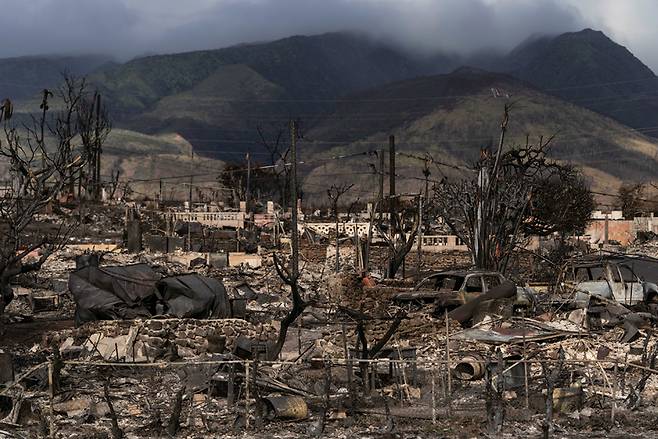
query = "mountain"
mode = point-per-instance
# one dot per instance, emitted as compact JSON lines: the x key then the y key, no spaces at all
{"x":23,"y":77}
{"x":589,"y":69}
{"x":217,"y":99}
{"x":351,"y":92}
{"x":221,"y":96}
{"x":452,"y":116}
{"x":143,"y":159}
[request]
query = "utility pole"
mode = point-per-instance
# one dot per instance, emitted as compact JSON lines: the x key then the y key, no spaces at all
{"x":189,"y":208}
{"x":420,"y":236}
{"x":247,"y":201}
{"x":161,"y":191}
{"x":381,"y":185}
{"x":294,"y":269}
{"x":189,"y":196}
{"x":391,"y":195}
{"x":426,"y":173}
{"x":97,"y":166}
{"x":189,"y":219}
{"x":391,"y":181}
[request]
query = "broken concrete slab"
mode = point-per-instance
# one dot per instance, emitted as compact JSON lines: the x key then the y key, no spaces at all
{"x":236,"y":259}
{"x":81,"y":407}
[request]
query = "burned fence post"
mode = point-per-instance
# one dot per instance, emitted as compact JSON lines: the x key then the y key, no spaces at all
{"x":525,"y":368}
{"x":174,"y":420}
{"x":230,"y":392}
{"x":246,"y":395}
{"x":51,"y":394}
{"x":327,"y":396}
{"x":495,"y":388}
{"x":133,"y":231}
{"x":362,"y":352}
{"x":551,"y":375}
{"x":117,"y":433}
{"x":448,"y":378}
{"x":433,"y":396}
{"x":615,"y":388}
{"x":348,"y":366}
{"x":254,"y":385}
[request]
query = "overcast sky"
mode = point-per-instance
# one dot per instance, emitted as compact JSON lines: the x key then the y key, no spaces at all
{"x":127,"y":28}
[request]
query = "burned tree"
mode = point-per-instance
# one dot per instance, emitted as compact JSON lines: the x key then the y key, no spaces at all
{"x":561,"y":203}
{"x":404,"y":226}
{"x":234,"y":177}
{"x":631,"y":199}
{"x":43,"y":157}
{"x":279,"y":153}
{"x":508,"y":197}
{"x":94,"y":126}
{"x":290,"y":274}
{"x":334,"y":193}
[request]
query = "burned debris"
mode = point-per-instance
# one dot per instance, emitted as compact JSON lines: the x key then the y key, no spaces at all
{"x":220,"y":319}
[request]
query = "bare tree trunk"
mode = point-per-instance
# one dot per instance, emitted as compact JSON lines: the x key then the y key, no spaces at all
{"x":337,"y":245}
{"x":291,"y":276}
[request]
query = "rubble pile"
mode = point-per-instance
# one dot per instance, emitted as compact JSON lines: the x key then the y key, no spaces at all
{"x":186,"y":349}
{"x":156,"y":339}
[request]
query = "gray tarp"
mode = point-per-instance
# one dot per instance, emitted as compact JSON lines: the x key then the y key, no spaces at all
{"x":133,"y":291}
{"x":193,"y":296}
{"x":112,"y":293}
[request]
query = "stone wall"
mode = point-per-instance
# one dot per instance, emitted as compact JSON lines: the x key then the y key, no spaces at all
{"x":159,"y":339}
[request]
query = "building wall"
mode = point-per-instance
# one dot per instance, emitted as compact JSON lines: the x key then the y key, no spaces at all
{"x":442,"y":243}
{"x":622,"y":231}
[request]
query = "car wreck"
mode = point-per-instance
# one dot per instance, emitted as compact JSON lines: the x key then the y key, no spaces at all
{"x":449,"y":290}
{"x":609,"y":277}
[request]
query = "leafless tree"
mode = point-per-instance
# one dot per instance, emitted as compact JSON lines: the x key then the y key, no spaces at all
{"x":44,"y":156}
{"x":334,"y":193}
{"x":279,"y":152}
{"x":402,"y":234}
{"x":290,"y":274}
{"x":94,"y":125}
{"x":490,"y":210}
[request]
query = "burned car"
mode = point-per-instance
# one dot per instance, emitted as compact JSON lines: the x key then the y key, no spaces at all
{"x":612,"y":278}
{"x":451,"y":289}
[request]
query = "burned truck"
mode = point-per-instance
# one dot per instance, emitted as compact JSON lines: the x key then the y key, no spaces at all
{"x":620,"y":278}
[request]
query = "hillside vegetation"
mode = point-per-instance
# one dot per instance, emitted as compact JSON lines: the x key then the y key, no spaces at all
{"x":589,"y":69}
{"x":350,"y":93}
{"x":453,"y":116}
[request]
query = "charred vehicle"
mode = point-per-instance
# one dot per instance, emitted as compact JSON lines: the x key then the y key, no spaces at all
{"x":448,"y":290}
{"x":612,"y":278}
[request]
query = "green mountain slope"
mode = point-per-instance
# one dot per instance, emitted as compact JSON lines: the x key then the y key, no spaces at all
{"x":306,"y":67}
{"x":453,"y":116}
{"x":589,"y":69}
{"x":227,"y":93}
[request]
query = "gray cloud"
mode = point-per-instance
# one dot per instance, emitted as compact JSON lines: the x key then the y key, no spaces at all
{"x":428,"y":25}
{"x":127,"y":28}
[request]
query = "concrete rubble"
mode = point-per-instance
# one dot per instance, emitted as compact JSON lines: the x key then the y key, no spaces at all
{"x":557,"y":365}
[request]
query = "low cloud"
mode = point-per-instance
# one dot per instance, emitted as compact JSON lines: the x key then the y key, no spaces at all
{"x":128,"y":28}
